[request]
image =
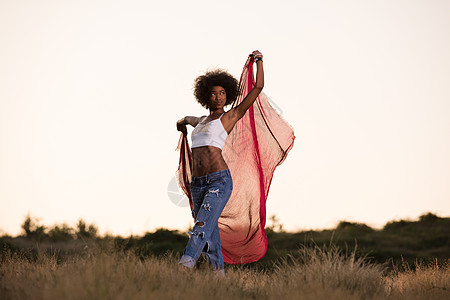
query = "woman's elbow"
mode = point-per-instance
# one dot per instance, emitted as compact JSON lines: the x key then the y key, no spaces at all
{"x":259,"y":86}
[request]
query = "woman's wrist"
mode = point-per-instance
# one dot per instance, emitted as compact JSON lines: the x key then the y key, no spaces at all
{"x":257,"y":56}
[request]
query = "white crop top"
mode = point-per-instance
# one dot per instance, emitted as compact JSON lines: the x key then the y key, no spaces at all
{"x":211,"y":133}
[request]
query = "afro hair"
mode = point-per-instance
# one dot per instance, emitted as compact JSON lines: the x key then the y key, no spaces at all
{"x":204,"y":84}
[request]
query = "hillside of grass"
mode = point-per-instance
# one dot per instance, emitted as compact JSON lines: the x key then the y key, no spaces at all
{"x":426,"y":239}
{"x":315,"y":273}
{"x":405,"y":241}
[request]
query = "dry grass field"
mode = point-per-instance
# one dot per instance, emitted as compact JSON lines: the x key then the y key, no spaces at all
{"x":317,"y":273}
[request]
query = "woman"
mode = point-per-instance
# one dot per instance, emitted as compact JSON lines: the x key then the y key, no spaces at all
{"x":211,"y":184}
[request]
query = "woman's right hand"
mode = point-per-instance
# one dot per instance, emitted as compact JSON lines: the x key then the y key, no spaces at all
{"x":181,"y":126}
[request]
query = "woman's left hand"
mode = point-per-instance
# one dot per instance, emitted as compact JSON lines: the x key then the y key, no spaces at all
{"x":257,"y":54}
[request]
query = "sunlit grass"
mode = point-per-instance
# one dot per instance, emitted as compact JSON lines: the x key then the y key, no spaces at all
{"x":316,"y":273}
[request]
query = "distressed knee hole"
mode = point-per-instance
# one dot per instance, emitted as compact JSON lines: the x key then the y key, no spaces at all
{"x":199,"y":223}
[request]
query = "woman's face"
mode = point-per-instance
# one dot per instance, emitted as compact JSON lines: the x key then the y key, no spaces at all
{"x":217,"y":97}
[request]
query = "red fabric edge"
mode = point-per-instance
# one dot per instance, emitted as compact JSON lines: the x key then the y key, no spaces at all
{"x":262,"y":198}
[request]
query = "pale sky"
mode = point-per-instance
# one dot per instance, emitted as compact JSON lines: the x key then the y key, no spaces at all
{"x":90,"y":92}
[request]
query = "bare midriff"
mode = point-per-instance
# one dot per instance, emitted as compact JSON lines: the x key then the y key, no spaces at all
{"x":206,"y":160}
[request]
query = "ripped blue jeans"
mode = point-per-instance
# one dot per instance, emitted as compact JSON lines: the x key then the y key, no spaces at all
{"x":210,"y":194}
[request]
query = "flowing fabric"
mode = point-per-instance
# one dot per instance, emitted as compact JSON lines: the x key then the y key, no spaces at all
{"x":259,"y":142}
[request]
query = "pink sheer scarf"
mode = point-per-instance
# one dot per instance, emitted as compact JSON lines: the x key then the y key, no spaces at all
{"x":258,"y":143}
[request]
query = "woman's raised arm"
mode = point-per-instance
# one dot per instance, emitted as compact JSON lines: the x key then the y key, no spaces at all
{"x":242,"y":108}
